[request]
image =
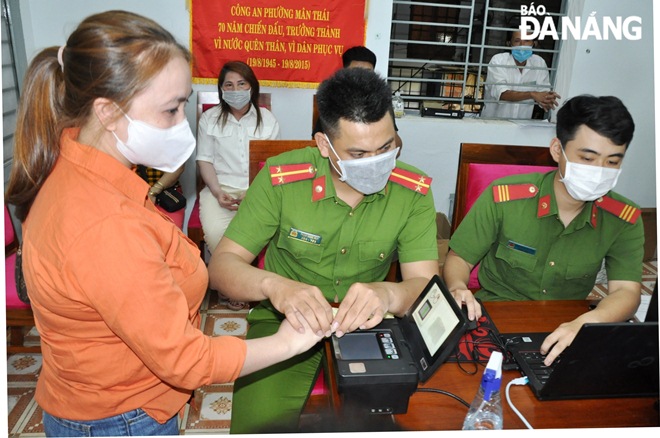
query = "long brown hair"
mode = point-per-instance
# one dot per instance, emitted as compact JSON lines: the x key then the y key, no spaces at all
{"x":248,"y":74}
{"x":113,"y":55}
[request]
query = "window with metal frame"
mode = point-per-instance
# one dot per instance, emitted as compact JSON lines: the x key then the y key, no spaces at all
{"x":439,"y":51}
{"x":10,"y":94}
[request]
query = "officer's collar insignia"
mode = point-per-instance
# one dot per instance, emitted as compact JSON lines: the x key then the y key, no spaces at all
{"x":544,"y":206}
{"x":318,"y":188}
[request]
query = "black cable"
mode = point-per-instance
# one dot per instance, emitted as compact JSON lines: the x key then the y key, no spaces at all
{"x":460,"y":362}
{"x":449,"y":394}
{"x":491,"y":339}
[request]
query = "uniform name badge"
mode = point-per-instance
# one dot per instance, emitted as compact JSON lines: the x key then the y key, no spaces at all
{"x":520,"y":247}
{"x":304,"y":236}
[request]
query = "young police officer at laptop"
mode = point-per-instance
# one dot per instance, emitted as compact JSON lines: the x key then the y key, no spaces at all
{"x":333,"y":217}
{"x":544,"y":236}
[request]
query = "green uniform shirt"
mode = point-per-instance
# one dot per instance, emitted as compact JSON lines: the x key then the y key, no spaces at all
{"x":526,"y":253}
{"x":325,"y":242}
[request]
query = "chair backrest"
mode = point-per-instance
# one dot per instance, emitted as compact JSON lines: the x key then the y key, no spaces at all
{"x":260,"y":150}
{"x":315,"y":112}
{"x":11,"y":243}
{"x":12,"y":302}
{"x":480,"y":164}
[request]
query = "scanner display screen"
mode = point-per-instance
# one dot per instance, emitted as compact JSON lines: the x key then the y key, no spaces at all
{"x":360,"y":346}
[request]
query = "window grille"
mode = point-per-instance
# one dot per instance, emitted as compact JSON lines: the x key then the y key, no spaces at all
{"x":9,"y":94}
{"x":439,"y":52}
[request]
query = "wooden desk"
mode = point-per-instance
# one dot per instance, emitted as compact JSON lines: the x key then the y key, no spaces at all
{"x":432,"y":411}
{"x":429,"y":411}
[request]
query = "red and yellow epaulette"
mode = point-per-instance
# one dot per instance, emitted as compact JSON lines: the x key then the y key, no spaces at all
{"x":411,"y":180}
{"x":287,"y":173}
{"x":513,"y":192}
{"x":623,"y":211}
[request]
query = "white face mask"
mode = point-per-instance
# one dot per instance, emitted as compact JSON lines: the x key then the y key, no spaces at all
{"x":162,"y":149}
{"x":587,"y":183}
{"x":366,"y":175}
{"x":237,"y":99}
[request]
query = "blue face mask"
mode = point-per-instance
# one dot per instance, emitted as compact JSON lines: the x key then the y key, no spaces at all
{"x":521,"y":53}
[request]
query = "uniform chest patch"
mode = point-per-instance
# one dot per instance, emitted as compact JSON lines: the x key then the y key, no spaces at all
{"x":304,"y":236}
{"x":520,"y":247}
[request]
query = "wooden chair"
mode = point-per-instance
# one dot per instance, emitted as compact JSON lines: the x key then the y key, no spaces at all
{"x":315,"y":113}
{"x":480,"y":164}
{"x":20,"y":318}
{"x":260,"y":150}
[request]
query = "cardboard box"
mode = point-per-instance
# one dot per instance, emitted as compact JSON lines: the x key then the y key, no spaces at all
{"x":444,"y":231}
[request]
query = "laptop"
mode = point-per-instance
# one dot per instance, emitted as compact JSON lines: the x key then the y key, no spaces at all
{"x":379,"y":368}
{"x":604,"y":360}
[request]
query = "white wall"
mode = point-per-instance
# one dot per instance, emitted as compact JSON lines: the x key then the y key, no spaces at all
{"x":621,"y":68}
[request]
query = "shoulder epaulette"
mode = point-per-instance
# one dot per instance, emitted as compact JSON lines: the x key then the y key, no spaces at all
{"x":287,"y":173}
{"x":622,"y":210}
{"x":513,"y":192}
{"x":411,"y":180}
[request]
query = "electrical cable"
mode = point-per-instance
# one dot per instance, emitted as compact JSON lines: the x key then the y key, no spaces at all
{"x":449,"y":394}
{"x":519,"y":381}
{"x":475,"y":348}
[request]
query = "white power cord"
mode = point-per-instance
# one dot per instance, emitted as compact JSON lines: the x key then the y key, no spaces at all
{"x":519,"y":381}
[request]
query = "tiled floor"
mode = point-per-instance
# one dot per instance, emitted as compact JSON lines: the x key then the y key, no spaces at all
{"x":208,"y":413}
{"x":649,"y":276}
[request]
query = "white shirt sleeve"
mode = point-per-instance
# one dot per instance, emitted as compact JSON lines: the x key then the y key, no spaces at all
{"x":204,"y":140}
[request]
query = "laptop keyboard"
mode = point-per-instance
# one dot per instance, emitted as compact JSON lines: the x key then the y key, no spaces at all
{"x":535,"y":360}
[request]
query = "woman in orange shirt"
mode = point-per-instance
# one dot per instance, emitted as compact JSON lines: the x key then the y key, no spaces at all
{"x":115,"y":287}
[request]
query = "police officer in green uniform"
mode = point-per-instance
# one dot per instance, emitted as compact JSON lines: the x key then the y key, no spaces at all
{"x":333,"y":219}
{"x":544,"y":236}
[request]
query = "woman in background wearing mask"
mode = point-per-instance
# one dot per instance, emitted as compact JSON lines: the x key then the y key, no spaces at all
{"x":517,"y":80}
{"x":115,"y":286}
{"x":223,"y":149}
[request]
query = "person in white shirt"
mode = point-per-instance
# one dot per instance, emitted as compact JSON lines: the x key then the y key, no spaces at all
{"x":518,"y":80}
{"x":223,"y":147}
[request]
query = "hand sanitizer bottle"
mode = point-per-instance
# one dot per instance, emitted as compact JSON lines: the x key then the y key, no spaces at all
{"x":485,"y":412}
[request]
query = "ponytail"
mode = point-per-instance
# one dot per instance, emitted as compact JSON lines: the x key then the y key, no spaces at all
{"x":38,"y":129}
